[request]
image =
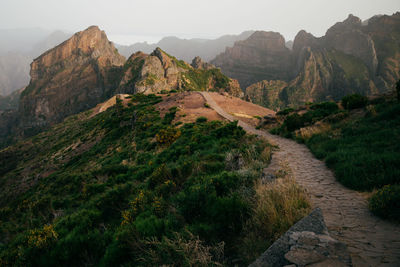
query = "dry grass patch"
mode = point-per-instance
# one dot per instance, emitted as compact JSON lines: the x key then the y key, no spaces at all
{"x":278,"y":205}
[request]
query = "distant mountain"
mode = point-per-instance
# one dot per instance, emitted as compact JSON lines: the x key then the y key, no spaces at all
{"x":17,"y":52}
{"x":186,"y":49}
{"x":353,"y":57}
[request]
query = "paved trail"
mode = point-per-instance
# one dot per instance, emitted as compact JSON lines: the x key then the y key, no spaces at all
{"x":371,"y":241}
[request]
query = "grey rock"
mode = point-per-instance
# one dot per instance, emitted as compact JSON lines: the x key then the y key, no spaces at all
{"x":306,"y":242}
{"x":301,"y":256}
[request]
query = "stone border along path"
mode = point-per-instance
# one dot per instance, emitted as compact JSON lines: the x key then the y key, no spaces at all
{"x":370,"y":240}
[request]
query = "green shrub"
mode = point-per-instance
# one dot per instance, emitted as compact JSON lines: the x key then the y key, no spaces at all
{"x":293,"y":122}
{"x":286,"y":111}
{"x":354,"y":101}
{"x":386,"y":202}
{"x":201,"y":119}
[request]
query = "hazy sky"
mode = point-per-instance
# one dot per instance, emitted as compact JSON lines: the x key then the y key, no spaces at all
{"x":149,"y":20}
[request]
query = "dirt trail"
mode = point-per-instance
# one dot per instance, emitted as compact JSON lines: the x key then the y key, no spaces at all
{"x":371,"y":241}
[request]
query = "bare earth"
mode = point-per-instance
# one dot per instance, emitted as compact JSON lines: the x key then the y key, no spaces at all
{"x":371,"y":241}
{"x":191,"y":105}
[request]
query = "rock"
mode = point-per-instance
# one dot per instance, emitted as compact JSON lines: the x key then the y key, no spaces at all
{"x":328,"y":263}
{"x":70,"y":78}
{"x":234,"y":88}
{"x":301,"y":256}
{"x":159,"y":71}
{"x":197,"y":63}
{"x":306,"y":242}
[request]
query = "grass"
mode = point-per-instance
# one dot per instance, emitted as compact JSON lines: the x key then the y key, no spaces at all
{"x":126,"y":187}
{"x":361,"y":147}
{"x":198,"y":80}
{"x":278,"y":205}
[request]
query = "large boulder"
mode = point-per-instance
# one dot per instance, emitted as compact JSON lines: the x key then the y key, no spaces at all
{"x":307,"y":243}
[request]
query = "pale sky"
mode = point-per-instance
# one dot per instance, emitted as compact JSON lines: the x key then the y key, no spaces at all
{"x":150,"y":20}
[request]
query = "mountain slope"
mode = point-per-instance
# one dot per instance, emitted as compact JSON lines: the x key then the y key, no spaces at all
{"x":126,"y":186}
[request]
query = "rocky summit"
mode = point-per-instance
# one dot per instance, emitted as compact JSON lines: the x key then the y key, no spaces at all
{"x":352,"y":57}
{"x":159,"y":72}
{"x":69,"y":78}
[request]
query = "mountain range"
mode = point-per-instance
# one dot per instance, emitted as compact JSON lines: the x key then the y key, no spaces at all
{"x":352,"y":57}
{"x":187,"y":49}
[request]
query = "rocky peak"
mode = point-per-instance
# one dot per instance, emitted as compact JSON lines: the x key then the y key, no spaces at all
{"x":163,"y":57}
{"x":348,"y":37}
{"x":267,"y":40}
{"x":304,"y":39}
{"x":91,"y":43}
{"x":198,"y":63}
{"x":69,"y":78}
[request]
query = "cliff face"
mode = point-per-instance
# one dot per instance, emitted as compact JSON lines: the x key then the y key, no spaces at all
{"x":352,"y":57}
{"x":71,"y":77}
{"x":263,"y":56}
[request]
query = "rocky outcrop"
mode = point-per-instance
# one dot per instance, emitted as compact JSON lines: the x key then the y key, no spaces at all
{"x":307,"y":243}
{"x":72,"y":77}
{"x":197,"y":63}
{"x":160,"y":72}
{"x":263,"y":56}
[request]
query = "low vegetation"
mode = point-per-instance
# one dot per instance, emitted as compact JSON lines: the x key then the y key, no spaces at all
{"x":125,"y":187}
{"x":361,"y":145}
{"x":199,"y":80}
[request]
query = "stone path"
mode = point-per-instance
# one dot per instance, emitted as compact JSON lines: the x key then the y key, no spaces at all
{"x":371,"y":241}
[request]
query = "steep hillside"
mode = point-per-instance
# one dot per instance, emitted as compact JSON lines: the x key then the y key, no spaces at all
{"x":127,"y":186}
{"x":353,"y":57}
{"x":186,"y":49}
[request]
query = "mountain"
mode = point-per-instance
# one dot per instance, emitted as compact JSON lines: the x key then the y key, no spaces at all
{"x":262,"y":56}
{"x":160,"y":72}
{"x":352,"y":57}
{"x":87,"y":69}
{"x":69,"y":78}
{"x":187,"y":49}
{"x":18,"y":52}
